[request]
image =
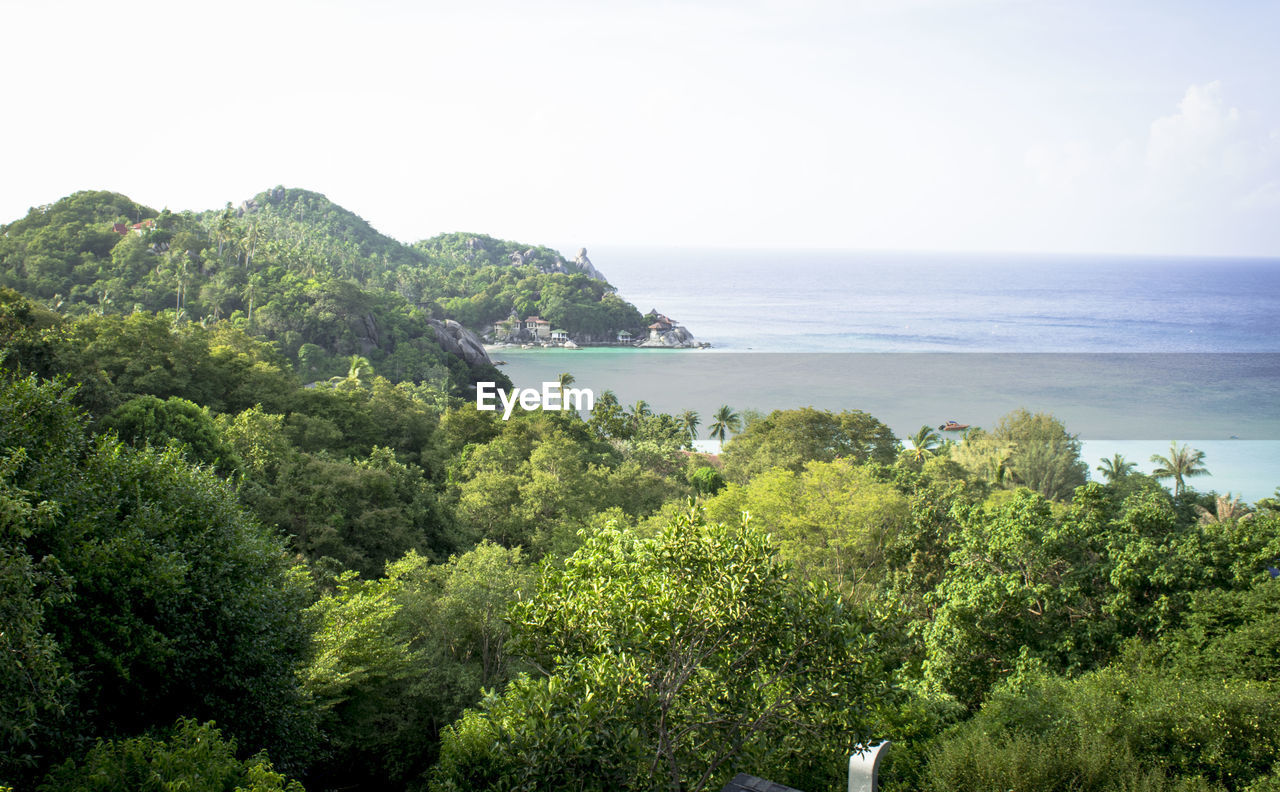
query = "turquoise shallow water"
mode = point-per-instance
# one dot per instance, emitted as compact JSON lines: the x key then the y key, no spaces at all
{"x":1130,"y":353}
{"x":1133,"y":404}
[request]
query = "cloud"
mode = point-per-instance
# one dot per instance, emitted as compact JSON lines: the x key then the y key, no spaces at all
{"x":1198,"y":135}
{"x":1205,"y":177}
{"x":1264,"y":197}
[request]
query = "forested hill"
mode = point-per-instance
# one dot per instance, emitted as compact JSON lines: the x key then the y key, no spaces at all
{"x":307,"y":274}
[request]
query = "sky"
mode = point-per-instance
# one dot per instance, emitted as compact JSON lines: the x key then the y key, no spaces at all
{"x":974,"y":125}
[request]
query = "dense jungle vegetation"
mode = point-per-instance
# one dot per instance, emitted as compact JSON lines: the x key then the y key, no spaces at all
{"x":248,"y":542}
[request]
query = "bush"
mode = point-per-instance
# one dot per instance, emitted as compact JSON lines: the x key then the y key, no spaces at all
{"x":1109,"y":730}
{"x":194,"y":759}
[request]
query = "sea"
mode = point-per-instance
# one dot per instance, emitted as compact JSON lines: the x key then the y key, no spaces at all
{"x":1131,"y":353}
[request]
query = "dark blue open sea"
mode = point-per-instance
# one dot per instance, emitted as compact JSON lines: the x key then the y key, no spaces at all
{"x":1131,"y":353}
{"x":826,"y":301}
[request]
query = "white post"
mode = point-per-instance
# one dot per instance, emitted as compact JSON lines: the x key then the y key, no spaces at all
{"x":864,"y":768}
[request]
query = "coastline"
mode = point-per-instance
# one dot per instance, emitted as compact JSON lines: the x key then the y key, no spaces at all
{"x":1130,"y":403}
{"x":1132,"y":350}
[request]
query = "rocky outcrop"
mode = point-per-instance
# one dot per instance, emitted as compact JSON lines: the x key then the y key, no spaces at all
{"x":458,"y":340}
{"x":586,"y":267}
{"x":519,"y":259}
{"x":367,"y":334}
{"x":675,"y":337}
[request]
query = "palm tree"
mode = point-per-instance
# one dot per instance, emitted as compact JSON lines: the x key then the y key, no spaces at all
{"x":358,"y":364}
{"x":924,"y":443}
{"x":690,"y":420}
{"x":1182,"y":463}
{"x":1116,"y":468}
{"x":726,"y":421}
{"x":639,"y":411}
{"x":1226,"y":510}
{"x":566,"y":379}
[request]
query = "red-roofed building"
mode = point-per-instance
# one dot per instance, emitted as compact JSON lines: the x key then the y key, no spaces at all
{"x":538,"y":327}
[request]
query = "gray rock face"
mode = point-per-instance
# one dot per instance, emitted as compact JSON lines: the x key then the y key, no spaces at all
{"x":586,"y":266}
{"x":367,"y":334}
{"x":458,"y":340}
{"x":675,"y":338}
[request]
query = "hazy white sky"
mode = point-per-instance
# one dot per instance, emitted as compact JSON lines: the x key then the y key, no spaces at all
{"x":1132,"y":127}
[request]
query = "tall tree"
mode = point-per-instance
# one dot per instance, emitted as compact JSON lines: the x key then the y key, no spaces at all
{"x":1042,"y":455}
{"x":690,"y":420}
{"x":167,"y":598}
{"x":565,"y":379}
{"x":726,"y":421}
{"x":790,"y":438}
{"x":1116,"y":468}
{"x":924,"y":443}
{"x":669,"y":662}
{"x":639,"y":411}
{"x":1182,"y":463}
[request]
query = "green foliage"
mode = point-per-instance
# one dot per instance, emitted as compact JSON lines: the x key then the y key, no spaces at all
{"x":671,"y":662}
{"x":705,"y":479}
{"x":1042,"y":456}
{"x":67,"y":247}
{"x":976,"y":760}
{"x":726,"y":422}
{"x":25,"y":328}
{"x":361,"y":513}
{"x":1116,"y":468}
{"x":35,"y":684}
{"x":609,"y":420}
{"x":537,"y":483}
{"x":118,"y":358}
{"x":1067,"y":587}
{"x":833,"y":520}
{"x":1025,"y":450}
{"x":176,"y":603}
{"x":1116,"y":728}
{"x":478,"y":251}
{"x":1018,"y":578}
{"x":1181,"y":464}
{"x":790,"y":438}
{"x":194,"y":758}
{"x":917,"y":553}
{"x":1228,"y":634}
{"x":146,"y":419}
{"x":313,"y":278}
{"x":480,"y":280}
{"x":656,"y":651}
{"x":398,"y":658}
{"x":924,"y":443}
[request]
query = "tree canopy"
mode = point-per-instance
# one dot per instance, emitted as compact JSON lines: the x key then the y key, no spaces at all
{"x":790,"y":438}
{"x":673,"y":661}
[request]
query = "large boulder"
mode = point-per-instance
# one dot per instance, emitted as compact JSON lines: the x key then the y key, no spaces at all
{"x":675,"y":338}
{"x":586,"y":267}
{"x":458,"y":340}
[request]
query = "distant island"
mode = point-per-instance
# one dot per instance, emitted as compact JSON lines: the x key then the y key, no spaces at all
{"x":320,"y":283}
